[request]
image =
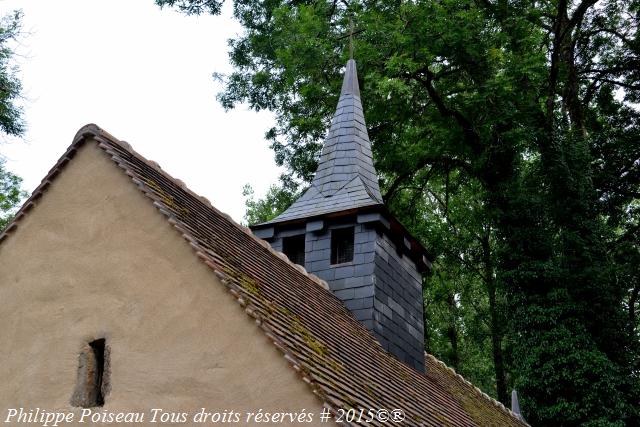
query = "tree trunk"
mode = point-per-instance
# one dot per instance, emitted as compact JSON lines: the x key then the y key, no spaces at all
{"x":632,"y":310}
{"x":452,"y":331}
{"x":496,"y":322}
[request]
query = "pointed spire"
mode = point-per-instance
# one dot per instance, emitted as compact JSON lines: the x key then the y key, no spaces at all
{"x":347,"y":151}
{"x":345,"y":178}
{"x":350,"y":82}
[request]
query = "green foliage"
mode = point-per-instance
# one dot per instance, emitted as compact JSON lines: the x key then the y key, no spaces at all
{"x":193,"y":7}
{"x":10,"y":195}
{"x":505,"y":134}
{"x":277,"y":199}
{"x":11,"y":122}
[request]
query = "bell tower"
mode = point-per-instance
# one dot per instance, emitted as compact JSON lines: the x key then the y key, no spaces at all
{"x":341,"y":231}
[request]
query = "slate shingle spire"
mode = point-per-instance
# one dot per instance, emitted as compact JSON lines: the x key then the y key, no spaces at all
{"x":340,"y":230}
{"x":345,"y":178}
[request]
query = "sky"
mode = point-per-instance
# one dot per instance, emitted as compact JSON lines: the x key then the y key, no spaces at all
{"x":145,"y":76}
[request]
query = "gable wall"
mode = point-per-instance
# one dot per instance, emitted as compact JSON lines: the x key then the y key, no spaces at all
{"x":95,"y":259}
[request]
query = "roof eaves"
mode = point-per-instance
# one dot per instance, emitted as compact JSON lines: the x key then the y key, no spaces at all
{"x":416,"y":245}
{"x":304,"y":219}
{"x":417,"y":249}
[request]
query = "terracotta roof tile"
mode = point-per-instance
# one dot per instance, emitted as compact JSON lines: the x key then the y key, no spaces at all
{"x":336,"y":355}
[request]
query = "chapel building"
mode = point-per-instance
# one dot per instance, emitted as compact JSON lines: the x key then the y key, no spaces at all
{"x":124,"y":292}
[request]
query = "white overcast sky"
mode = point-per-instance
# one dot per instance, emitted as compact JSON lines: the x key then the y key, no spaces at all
{"x":144,"y":75}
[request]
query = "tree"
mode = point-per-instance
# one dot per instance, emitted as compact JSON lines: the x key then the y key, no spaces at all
{"x":277,"y":199}
{"x":531,"y":109}
{"x":11,"y":120}
{"x":10,"y":195}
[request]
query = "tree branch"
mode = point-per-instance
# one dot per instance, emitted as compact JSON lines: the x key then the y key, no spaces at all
{"x":621,"y":84}
{"x":471,"y":136}
{"x":579,"y":13}
{"x":623,"y":37}
{"x":433,"y":161}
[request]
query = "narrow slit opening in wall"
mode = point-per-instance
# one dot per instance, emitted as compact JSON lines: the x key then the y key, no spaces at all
{"x":293,"y":248}
{"x":97,"y":347}
{"x":92,"y":377}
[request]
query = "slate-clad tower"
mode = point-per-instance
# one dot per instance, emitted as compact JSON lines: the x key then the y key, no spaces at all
{"x":340,"y":230}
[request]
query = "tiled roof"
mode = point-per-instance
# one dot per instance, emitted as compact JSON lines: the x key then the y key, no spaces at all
{"x":333,"y":353}
{"x":345,"y":178}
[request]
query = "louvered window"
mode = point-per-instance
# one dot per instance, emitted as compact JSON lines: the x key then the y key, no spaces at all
{"x":342,"y":245}
{"x":293,"y":248}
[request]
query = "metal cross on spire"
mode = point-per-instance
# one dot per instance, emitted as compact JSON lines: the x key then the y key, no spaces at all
{"x":350,"y":37}
{"x":352,"y":32}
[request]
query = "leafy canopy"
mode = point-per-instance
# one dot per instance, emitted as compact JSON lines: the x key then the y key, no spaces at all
{"x":11,"y":115}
